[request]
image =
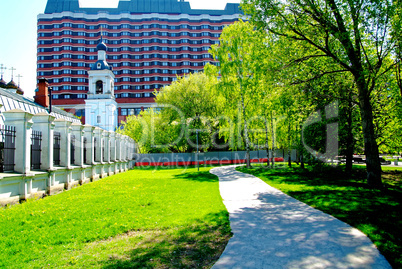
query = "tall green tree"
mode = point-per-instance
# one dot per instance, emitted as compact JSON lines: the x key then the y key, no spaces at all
{"x":353,"y":34}
{"x":241,"y":55}
{"x":192,"y":101}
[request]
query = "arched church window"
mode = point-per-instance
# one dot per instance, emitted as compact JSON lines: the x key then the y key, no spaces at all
{"x":99,"y":87}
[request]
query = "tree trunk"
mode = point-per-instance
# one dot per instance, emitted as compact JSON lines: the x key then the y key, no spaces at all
{"x":301,"y":149}
{"x":289,"y":150}
{"x":266,"y":138}
{"x":273,"y":141}
{"x":349,"y":139}
{"x":246,"y":133}
{"x":373,"y":164}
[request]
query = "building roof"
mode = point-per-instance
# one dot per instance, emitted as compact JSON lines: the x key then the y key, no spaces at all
{"x":140,"y":6}
{"x":100,"y":65}
{"x":101,"y":46}
{"x":11,"y":100}
{"x":2,"y":83}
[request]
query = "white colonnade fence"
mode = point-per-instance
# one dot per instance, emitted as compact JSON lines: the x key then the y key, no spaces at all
{"x":41,"y":155}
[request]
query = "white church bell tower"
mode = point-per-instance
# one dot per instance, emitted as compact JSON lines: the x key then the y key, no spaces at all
{"x":100,"y":105}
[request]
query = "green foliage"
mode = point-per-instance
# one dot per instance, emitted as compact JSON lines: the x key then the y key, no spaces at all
{"x":241,"y":55}
{"x":78,"y":228}
{"x":333,"y":37}
{"x":190,"y":103}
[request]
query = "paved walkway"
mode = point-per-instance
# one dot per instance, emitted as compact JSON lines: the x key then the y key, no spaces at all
{"x":273,"y":230}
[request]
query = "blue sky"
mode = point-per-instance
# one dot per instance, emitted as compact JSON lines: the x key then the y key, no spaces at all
{"x":18,"y":34}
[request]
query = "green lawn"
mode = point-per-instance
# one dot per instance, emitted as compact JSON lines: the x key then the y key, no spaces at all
{"x":165,"y":218}
{"x":376,"y":213}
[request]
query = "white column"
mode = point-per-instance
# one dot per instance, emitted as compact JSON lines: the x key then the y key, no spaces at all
{"x":78,"y":131}
{"x":118,"y":147}
{"x":45,"y":123}
{"x":132,"y":145}
{"x":106,"y":139}
{"x":98,"y":136}
{"x":89,"y":133}
{"x":125,"y":148}
{"x":64,"y":127}
{"x":22,"y":121}
{"x":112,"y":146}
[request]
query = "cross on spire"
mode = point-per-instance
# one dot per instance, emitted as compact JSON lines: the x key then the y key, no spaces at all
{"x":12,"y":72}
{"x":2,"y":69}
{"x":101,"y":33}
{"x":19,"y":76}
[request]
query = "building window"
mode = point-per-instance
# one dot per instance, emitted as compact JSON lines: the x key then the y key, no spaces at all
{"x":99,"y":87}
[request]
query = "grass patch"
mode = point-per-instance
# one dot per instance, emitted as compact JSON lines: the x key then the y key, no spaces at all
{"x":377,"y":213}
{"x":165,"y":218}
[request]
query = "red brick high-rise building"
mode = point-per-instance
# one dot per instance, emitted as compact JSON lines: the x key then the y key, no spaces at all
{"x":149,"y":43}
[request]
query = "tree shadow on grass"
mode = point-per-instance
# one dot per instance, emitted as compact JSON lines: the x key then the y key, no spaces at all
{"x":202,"y":176}
{"x":195,"y":246}
{"x":348,"y":198}
{"x":375,"y":213}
